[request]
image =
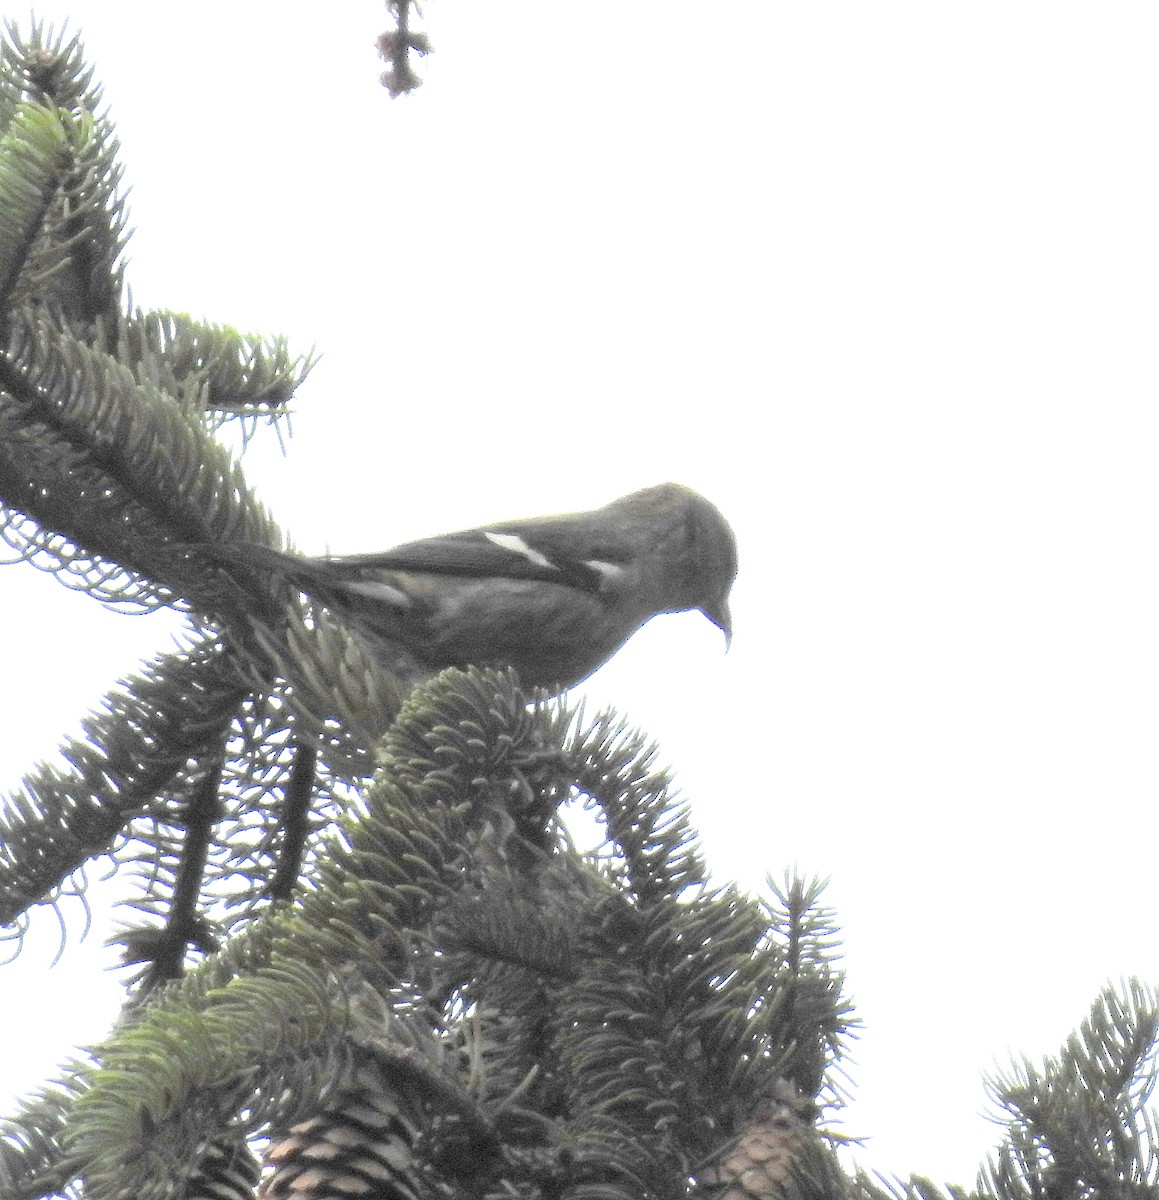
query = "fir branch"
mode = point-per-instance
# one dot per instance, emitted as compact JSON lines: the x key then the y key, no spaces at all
{"x":652,"y":837}
{"x":917,"y":1187}
{"x":295,"y":822}
{"x":605,"y":1075}
{"x":172,"y":486}
{"x":375,"y":890}
{"x":133,"y":749}
{"x":30,"y":1141}
{"x":806,"y":1019}
{"x":45,"y":67}
{"x":507,"y":920}
{"x":243,"y":841}
{"x":202,"y":811}
{"x":275,"y":810}
{"x":75,"y":267}
{"x":208,"y":367}
{"x":1078,"y":1124}
{"x":342,"y":692}
{"x":141,"y":1122}
{"x":35,"y":152}
{"x":638,"y":1031}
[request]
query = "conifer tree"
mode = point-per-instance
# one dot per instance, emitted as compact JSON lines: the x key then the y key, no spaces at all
{"x":368,"y":959}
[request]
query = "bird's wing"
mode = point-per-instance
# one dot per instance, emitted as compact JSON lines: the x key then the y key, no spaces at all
{"x":502,"y":552}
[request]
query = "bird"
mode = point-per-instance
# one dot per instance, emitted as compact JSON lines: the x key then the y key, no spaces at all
{"x":553,"y":597}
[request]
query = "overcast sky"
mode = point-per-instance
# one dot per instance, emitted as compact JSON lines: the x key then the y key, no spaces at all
{"x":880,"y":279}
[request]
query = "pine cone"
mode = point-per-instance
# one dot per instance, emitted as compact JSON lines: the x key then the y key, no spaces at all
{"x":361,"y":1146}
{"x":760,"y":1165}
{"x":227,"y":1170}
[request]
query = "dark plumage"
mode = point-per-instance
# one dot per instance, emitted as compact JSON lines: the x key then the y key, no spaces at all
{"x":554,"y":597}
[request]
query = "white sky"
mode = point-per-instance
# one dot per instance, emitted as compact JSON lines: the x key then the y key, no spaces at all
{"x":879,"y":279}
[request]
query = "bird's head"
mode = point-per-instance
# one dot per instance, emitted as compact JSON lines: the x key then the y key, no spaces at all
{"x":698,"y":551}
{"x":713,"y":550}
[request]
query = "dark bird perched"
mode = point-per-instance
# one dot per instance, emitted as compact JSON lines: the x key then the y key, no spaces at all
{"x":554,"y":597}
